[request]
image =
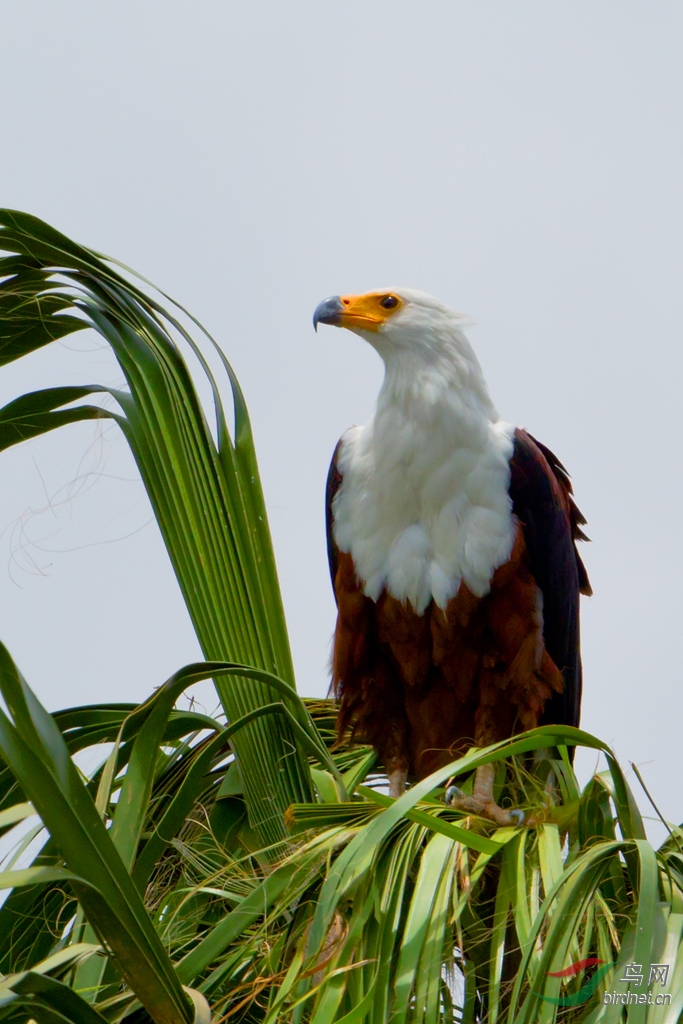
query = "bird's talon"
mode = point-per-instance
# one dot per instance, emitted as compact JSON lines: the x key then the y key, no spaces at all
{"x":517,"y":816}
{"x":452,"y":794}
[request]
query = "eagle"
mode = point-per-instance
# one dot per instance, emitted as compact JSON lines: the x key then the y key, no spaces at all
{"x":452,"y":552}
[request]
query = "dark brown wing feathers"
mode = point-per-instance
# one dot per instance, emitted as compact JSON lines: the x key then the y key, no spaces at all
{"x":542,"y":501}
{"x":334,"y":480}
{"x":576,"y":519}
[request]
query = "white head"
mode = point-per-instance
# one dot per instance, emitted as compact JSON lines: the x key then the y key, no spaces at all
{"x":412,"y":332}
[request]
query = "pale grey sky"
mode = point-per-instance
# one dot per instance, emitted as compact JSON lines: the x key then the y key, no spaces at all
{"x":522,"y":161}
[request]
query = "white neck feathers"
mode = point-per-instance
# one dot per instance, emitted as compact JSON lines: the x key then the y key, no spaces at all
{"x":424,"y":500}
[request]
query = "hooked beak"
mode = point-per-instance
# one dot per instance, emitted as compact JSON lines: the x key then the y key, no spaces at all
{"x":329,"y":311}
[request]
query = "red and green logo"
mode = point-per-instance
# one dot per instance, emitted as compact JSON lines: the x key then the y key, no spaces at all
{"x":587,"y":990}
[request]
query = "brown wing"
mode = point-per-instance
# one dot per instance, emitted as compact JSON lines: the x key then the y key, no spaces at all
{"x":542,"y":501}
{"x":333,"y":482}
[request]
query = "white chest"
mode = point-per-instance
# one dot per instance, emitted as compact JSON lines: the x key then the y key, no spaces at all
{"x":424,"y":500}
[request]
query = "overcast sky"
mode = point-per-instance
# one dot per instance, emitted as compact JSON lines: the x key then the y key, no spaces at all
{"x":522,"y":161}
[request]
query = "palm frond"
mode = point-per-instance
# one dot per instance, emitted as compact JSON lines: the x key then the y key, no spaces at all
{"x":205,"y":492}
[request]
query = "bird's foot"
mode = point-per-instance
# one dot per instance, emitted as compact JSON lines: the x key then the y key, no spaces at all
{"x":484,"y":807}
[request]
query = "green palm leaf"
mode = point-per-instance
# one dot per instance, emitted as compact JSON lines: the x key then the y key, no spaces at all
{"x":206,"y":494}
{"x":34,"y":747}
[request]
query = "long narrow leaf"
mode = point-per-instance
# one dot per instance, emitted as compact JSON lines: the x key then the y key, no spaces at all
{"x":206,"y":496}
{"x":38,"y":756}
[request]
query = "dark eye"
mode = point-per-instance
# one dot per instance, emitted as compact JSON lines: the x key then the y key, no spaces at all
{"x":389,"y":302}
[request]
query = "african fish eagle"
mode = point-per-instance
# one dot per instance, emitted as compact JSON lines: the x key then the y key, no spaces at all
{"x":451,"y":540}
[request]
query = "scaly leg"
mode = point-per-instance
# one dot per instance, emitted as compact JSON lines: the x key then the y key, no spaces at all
{"x":397,"y":782}
{"x":481,"y":802}
{"x":543,"y":764}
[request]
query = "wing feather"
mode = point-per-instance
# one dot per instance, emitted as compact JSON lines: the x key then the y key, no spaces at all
{"x":334,"y":479}
{"x":542,"y":501}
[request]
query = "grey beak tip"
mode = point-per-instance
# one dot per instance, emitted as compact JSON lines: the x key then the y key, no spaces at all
{"x":327,"y":312}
